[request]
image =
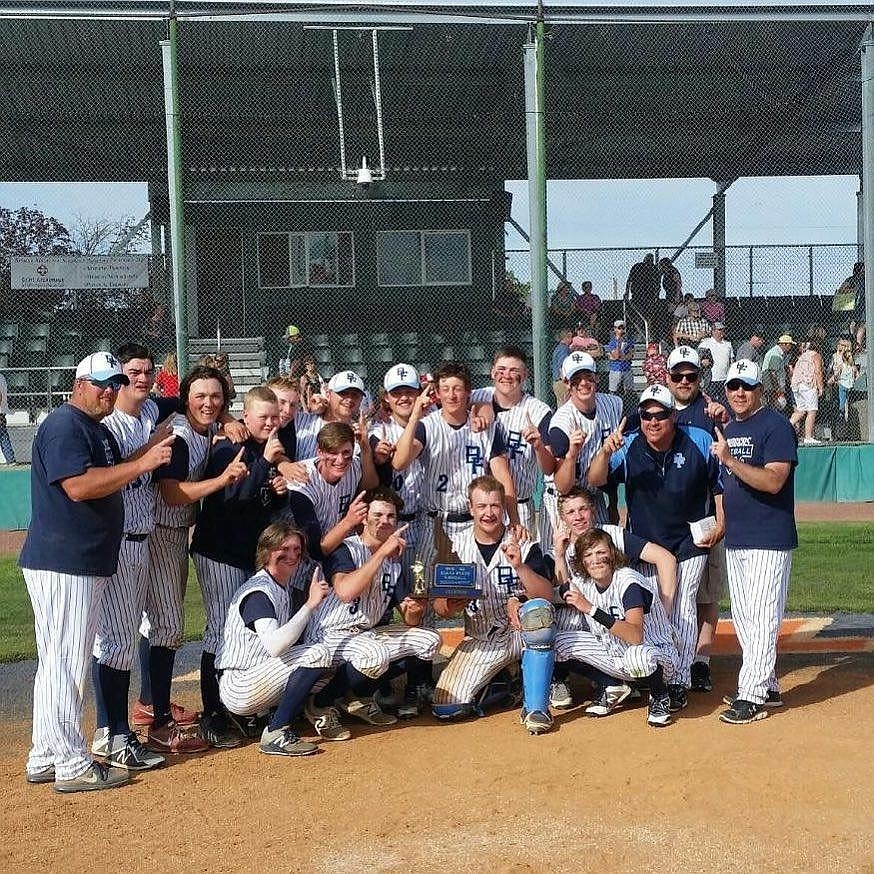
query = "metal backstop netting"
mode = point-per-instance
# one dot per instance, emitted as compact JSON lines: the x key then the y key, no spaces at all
{"x":343,"y":171}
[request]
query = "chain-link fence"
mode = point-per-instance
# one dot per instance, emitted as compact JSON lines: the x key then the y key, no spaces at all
{"x":344,"y":172}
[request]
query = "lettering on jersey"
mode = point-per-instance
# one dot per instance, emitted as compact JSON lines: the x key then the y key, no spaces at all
{"x":515,"y":443}
{"x":354,"y":605}
{"x":387,"y":584}
{"x":107,"y":449}
{"x":442,"y":483}
{"x":679,"y":460}
{"x":507,"y":579}
{"x":397,"y":482}
{"x":345,"y":501}
{"x":474,"y":457}
{"x":741,"y":447}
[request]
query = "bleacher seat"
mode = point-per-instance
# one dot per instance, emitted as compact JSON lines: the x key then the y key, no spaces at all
{"x":8,"y":330}
{"x":36,"y":344}
{"x":348,"y":340}
{"x":38,"y":329}
{"x":378,"y":339}
{"x":4,"y":361}
{"x":6,"y":345}
{"x":319,"y":341}
{"x":383,"y":355}
{"x":17,"y":381}
{"x":408,"y":338}
{"x":64,"y":361}
{"x":323,"y":356}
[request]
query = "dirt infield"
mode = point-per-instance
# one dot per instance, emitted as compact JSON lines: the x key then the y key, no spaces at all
{"x":791,"y":792}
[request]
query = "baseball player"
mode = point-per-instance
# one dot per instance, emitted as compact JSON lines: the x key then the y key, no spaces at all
{"x":137,"y":423}
{"x":453,"y":454}
{"x":504,"y":568}
{"x":343,"y":401}
{"x":366,"y":580}
{"x":324,"y":504}
{"x":263,"y":667}
{"x":670,"y":482}
{"x":522,"y":422}
{"x":181,"y":486}
{"x":580,"y":425}
{"x":244,"y":507}
{"x":402,"y":388}
{"x":629,"y":636}
{"x":71,"y":550}
{"x":758,"y":454}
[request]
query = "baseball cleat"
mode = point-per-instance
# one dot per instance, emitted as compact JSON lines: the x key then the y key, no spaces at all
{"x":679,"y":699}
{"x":100,"y":744}
{"x":173,"y":739}
{"x":218,"y":732}
{"x":774,"y":699}
{"x":367,"y":710}
{"x":742,"y":712}
{"x":126,"y":751}
{"x":537,"y":722}
{"x":326,"y":721}
{"x":95,"y":778}
{"x":559,"y":695}
{"x":284,"y":742}
{"x":609,"y":698}
{"x":700,"y":675}
{"x":659,"y":713}
{"x":248,"y":726}
{"x":144,"y":715}
{"x":43,"y":775}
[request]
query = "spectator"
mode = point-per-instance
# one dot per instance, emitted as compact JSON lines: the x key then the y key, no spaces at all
{"x":692,"y":329}
{"x":588,"y":304}
{"x":842,"y":373}
{"x":642,"y":288}
{"x":752,"y":349}
{"x":583,"y":341}
{"x":5,"y":442}
{"x":705,"y":373}
{"x":562,"y":305}
{"x":167,"y":380}
{"x":158,"y":329}
{"x":559,"y":353}
{"x":311,"y":384}
{"x":620,"y":352}
{"x":807,"y":387}
{"x":854,"y":288}
{"x":292,"y":364}
{"x":722,"y":354}
{"x":655,"y":365}
{"x":681,"y":309}
{"x":672,"y":282}
{"x":774,"y":372}
{"x":713,"y":309}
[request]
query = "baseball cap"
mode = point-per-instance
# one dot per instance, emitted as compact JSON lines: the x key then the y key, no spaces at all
{"x":292,"y":331}
{"x":659,"y":394}
{"x":101,"y":367}
{"x":344,"y":380}
{"x":746,"y":371}
{"x":401,"y":376}
{"x":575,"y":362}
{"x":618,"y":323}
{"x":786,"y":338}
{"x":683,"y":355}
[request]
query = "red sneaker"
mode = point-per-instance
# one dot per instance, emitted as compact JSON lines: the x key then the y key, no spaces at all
{"x":143,"y":714}
{"x":173,"y":739}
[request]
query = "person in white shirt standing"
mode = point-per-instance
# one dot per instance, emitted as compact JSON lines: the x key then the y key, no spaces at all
{"x":723,"y":355}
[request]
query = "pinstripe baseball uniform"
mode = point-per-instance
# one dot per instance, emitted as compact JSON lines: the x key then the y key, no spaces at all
{"x":490,"y":643}
{"x":125,"y":595}
{"x":408,"y":483}
{"x":252,"y":681}
{"x":307,"y":426}
{"x":168,"y":543}
{"x":760,"y":535}
{"x":604,"y":419}
{"x":605,"y":651}
{"x":452,"y":458}
{"x":510,"y":424}
{"x":317,"y":505}
{"x":345,"y":628}
{"x":70,"y":550}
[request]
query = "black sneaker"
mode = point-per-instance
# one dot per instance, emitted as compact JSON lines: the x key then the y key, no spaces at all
{"x":537,"y":721}
{"x":659,"y":713}
{"x":677,"y":697}
{"x":215,"y":729}
{"x":608,"y":699}
{"x":774,"y":699}
{"x":247,"y":726}
{"x":701,"y":681}
{"x":742,"y":712}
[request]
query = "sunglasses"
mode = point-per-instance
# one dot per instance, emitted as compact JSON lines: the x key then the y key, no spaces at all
{"x":103,"y":384}
{"x":684,"y":377}
{"x":737,"y":385}
{"x":658,"y":415}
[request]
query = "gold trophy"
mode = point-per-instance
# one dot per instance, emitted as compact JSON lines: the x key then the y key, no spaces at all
{"x":419,"y":585}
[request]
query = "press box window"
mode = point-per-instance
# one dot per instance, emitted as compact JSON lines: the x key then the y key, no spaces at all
{"x":423,"y":258}
{"x":308,"y":259}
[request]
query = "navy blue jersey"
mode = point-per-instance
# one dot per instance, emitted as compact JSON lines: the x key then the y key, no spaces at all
{"x":231,"y":520}
{"x":754,"y":519}
{"x":287,"y":435}
{"x":694,"y":414}
{"x":665,"y":491}
{"x":72,"y":537}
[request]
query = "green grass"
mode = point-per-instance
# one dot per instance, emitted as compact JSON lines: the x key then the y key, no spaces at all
{"x":831,"y":571}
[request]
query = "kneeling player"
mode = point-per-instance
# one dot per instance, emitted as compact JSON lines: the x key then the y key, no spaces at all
{"x":261,"y":667}
{"x":504,"y":569}
{"x":367,"y":580}
{"x":630,"y":636}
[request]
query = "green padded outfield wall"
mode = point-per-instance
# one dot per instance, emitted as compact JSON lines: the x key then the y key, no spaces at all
{"x":825,"y":473}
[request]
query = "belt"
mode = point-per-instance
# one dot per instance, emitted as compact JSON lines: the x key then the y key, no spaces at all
{"x":136,"y":538}
{"x":451,"y":517}
{"x":407,"y":517}
{"x":522,"y":500}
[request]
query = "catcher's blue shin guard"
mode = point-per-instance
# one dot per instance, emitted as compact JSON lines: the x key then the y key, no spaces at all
{"x":537,"y":618}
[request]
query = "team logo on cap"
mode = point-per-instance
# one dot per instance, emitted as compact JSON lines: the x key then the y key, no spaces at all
{"x":741,"y":366}
{"x":576,"y":358}
{"x":401,"y":372}
{"x":350,"y":376}
{"x":685,"y":351}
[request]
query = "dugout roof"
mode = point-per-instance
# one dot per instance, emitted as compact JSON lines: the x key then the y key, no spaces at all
{"x":635,"y":90}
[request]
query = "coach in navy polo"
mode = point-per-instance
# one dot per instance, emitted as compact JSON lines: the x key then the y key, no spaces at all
{"x":71,"y":549}
{"x":758,"y":453}
{"x":670,"y":480}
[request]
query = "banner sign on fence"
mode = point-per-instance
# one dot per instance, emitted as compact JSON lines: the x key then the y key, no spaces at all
{"x":706,"y":260}
{"x":80,"y":271}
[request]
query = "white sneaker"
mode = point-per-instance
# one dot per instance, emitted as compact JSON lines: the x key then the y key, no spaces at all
{"x":560,"y":695}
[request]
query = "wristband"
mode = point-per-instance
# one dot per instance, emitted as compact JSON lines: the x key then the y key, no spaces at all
{"x":601,"y":616}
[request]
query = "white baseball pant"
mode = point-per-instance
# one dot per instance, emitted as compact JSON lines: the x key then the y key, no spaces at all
{"x":371,"y":652}
{"x":473,"y":664}
{"x":623,"y":662}
{"x":218,"y":585}
{"x":164,"y":624}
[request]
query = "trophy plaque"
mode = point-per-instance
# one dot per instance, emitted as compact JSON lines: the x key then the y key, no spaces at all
{"x":455,"y":581}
